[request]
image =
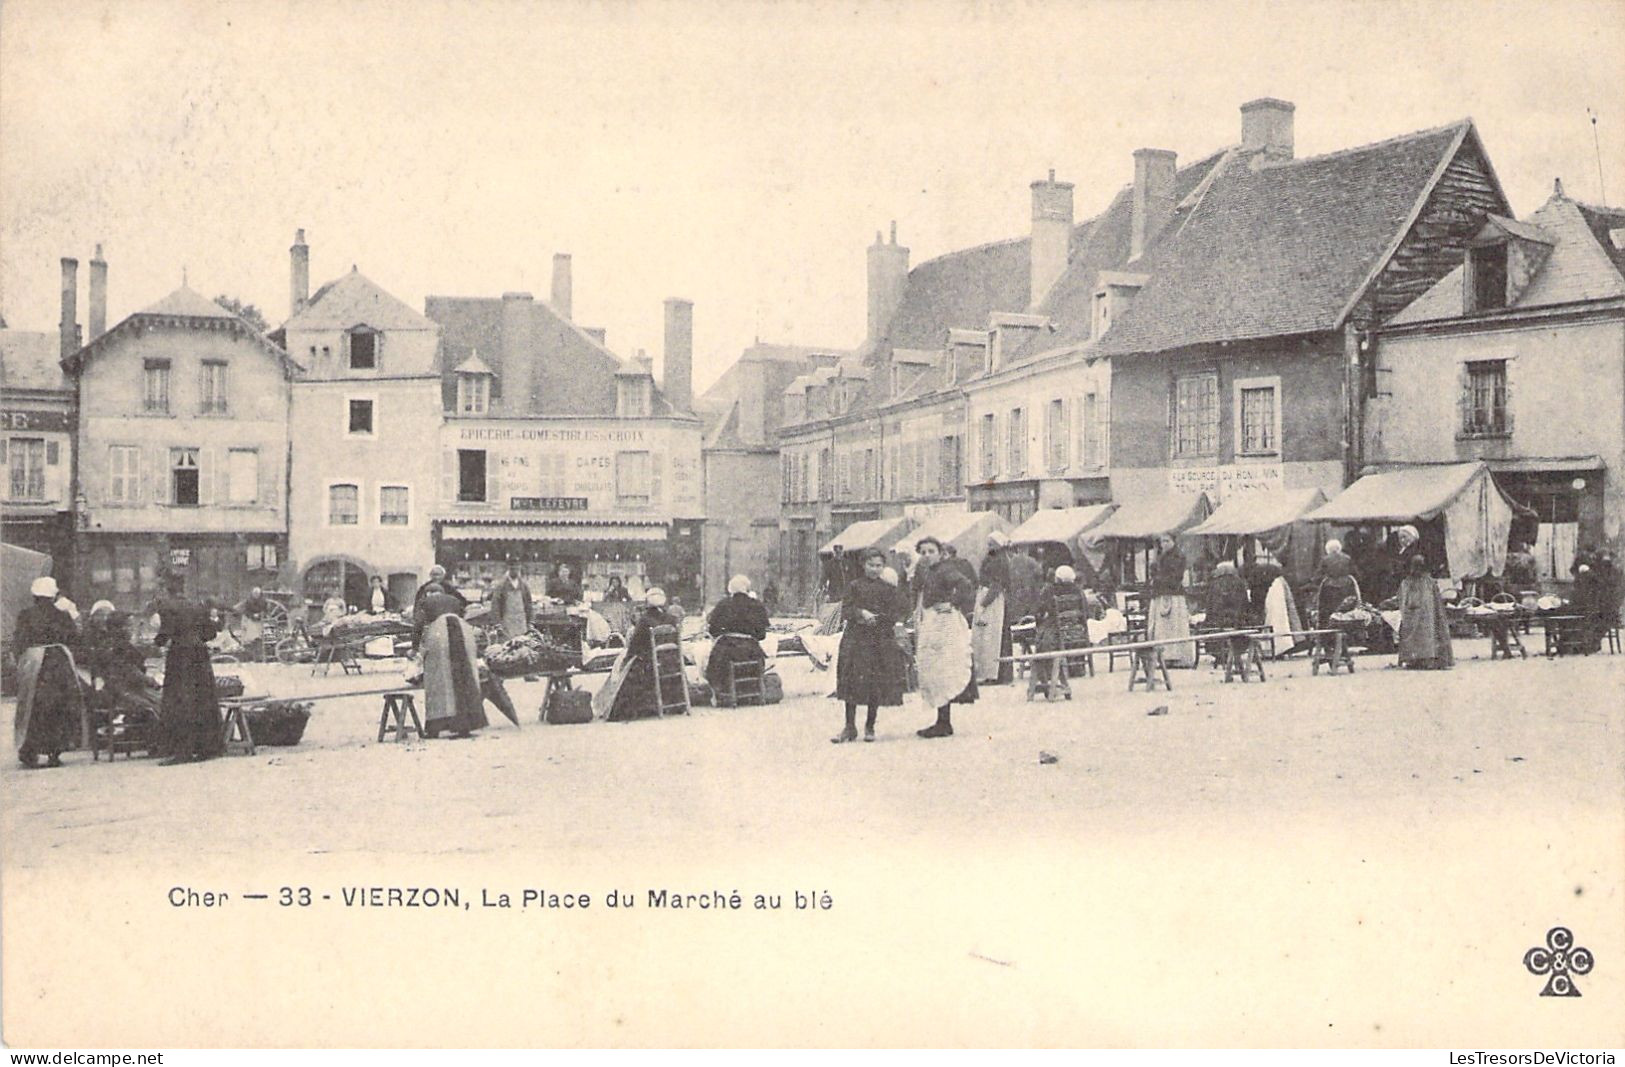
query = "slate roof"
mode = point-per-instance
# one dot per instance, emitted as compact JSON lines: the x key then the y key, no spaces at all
{"x":1580,"y":267}
{"x":185,"y":303}
{"x":1283,"y":249}
{"x":959,"y":290}
{"x":354,"y":299}
{"x":1604,"y":220}
{"x":28,"y":360}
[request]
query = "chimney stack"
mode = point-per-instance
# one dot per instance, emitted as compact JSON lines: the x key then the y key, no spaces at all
{"x":98,"y":295}
{"x":520,"y":371}
{"x":1266,"y":125}
{"x":1052,"y":234}
{"x":561,"y":284}
{"x":70,"y":307}
{"x":299,"y":275}
{"x":888,"y":277}
{"x":679,"y":369}
{"x":1153,"y":197}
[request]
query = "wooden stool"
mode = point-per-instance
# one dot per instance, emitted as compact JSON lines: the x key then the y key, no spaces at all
{"x":1243,"y":659}
{"x":1334,"y":656}
{"x":1055,"y":678}
{"x":671,"y":682}
{"x":239,"y":738}
{"x":1504,"y":640}
{"x":1610,"y":634}
{"x":1149,"y":668}
{"x":397,"y":706}
{"x":744,"y":684}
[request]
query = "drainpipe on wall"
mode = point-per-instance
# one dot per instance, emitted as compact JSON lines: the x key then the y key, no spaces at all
{"x":1352,"y":403}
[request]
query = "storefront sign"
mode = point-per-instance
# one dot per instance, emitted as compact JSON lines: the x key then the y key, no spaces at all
{"x":548,"y":503}
{"x":1222,"y":482}
{"x":43,"y":421}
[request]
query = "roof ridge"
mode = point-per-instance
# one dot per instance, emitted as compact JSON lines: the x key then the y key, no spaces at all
{"x":972,"y":248}
{"x":1414,"y":135}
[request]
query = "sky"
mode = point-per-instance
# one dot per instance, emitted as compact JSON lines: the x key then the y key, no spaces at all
{"x":741,"y":155}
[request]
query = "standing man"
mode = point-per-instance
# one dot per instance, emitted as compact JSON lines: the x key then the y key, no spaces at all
{"x":511,"y":604}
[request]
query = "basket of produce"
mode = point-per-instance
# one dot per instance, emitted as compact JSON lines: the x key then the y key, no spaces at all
{"x":227,"y":686}
{"x":531,"y":653}
{"x":279,"y":722}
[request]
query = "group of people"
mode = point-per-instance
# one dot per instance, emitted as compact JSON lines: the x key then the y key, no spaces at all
{"x":65,"y":673}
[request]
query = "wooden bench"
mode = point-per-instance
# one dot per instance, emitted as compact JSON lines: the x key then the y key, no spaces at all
{"x":1148,"y":667}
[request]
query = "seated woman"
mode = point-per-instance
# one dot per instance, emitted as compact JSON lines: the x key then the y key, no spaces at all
{"x":630,"y":691}
{"x":1062,"y":618}
{"x":738,"y":625}
{"x":1228,"y":607}
{"x":119,"y":681}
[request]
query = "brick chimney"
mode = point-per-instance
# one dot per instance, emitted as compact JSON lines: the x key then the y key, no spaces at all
{"x":1153,"y":197}
{"x":562,"y":292}
{"x":98,"y":295}
{"x":1052,"y":234}
{"x":520,"y":370}
{"x":1266,"y":125}
{"x":888,"y":277}
{"x":298,"y":274}
{"x":69,"y":326}
{"x":679,"y":358}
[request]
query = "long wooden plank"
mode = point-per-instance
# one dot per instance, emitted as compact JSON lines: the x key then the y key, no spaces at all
{"x":1133,"y":646}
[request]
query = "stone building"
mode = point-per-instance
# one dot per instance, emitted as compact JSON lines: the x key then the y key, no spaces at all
{"x":1517,"y":358}
{"x":36,"y":448}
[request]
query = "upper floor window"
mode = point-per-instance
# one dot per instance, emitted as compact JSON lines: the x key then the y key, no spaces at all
{"x":343,"y":505}
{"x":363,"y":349}
{"x":632,"y":479}
{"x":360,"y":420}
{"x":1055,"y":434}
{"x":394,"y":506}
{"x":471,"y":475}
{"x":1484,"y":399}
{"x":1258,"y":417}
{"x":1487,"y":277}
{"x":990,"y":447}
{"x":632,"y":398}
{"x":155,"y":389}
{"x":1092,"y":432}
{"x":243,"y":476}
{"x":123,"y":474}
{"x":26,"y":456}
{"x":212,"y":387}
{"x":473,"y":394}
{"x":953,"y":458}
{"x":1018,"y":441}
{"x":1196,"y":415}
{"x":184,"y":476}
{"x":1101,"y":319}
{"x":826,"y":487}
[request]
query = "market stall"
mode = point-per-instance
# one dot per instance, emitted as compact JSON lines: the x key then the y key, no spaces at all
{"x":840,"y":555}
{"x":1056,"y":532}
{"x":1127,"y":538}
{"x":1266,"y":523}
{"x":966,"y":531}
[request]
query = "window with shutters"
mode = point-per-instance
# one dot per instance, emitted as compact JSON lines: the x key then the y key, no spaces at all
{"x":1091,"y":453}
{"x":922,"y":477}
{"x":990,"y":448}
{"x":1484,"y":400}
{"x":1196,"y":415}
{"x":1258,"y":417}
{"x":471,"y":475}
{"x":123,"y":474}
{"x":155,"y":387}
{"x":359,"y":417}
{"x":1018,"y":442}
{"x":212,"y":387}
{"x":343,"y":504}
{"x":826,"y":487}
{"x":632,"y":479}
{"x":869,"y":491}
{"x":1055,"y":434}
{"x":243,"y":476}
{"x":394,"y":505}
{"x":184,"y":477}
{"x":843,"y":467}
{"x":951,"y":467}
{"x":25,"y":456}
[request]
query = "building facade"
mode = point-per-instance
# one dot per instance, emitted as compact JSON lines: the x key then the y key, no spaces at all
{"x":1517,"y":358}
{"x":37,"y":419}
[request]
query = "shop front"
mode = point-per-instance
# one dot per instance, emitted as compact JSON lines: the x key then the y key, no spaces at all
{"x":1564,"y":511}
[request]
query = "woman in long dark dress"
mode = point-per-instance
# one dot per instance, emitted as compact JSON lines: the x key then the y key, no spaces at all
{"x":1169,"y":614}
{"x":942,"y":636}
{"x":119,"y":667}
{"x":1062,"y":619}
{"x":631,"y":688}
{"x":50,"y":702}
{"x":1228,"y":607}
{"x":869,"y":667}
{"x":191,"y":708}
{"x":1424,"y":629}
{"x":1337,"y":583}
{"x":738,"y":625}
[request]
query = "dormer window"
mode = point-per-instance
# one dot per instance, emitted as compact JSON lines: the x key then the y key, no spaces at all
{"x":633,"y":400}
{"x":1486,"y":287}
{"x":473,"y":394}
{"x":363,"y":354}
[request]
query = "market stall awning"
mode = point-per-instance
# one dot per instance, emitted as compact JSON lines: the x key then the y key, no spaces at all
{"x":1151,"y":517}
{"x":21,"y":567}
{"x":1477,"y":515}
{"x":966,"y":530}
{"x":869,"y":533}
{"x":554,"y":531}
{"x":1059,"y":525}
{"x":1251,"y":514}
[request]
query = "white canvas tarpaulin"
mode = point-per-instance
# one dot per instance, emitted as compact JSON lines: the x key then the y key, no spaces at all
{"x":869,"y":533}
{"x":1477,"y":515}
{"x":966,"y":530}
{"x":1059,"y":525}
{"x":1257,"y":513}
{"x":18,"y":568}
{"x":1151,"y":517}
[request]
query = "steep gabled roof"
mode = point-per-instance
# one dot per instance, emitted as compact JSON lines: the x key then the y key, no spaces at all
{"x":354,"y":299}
{"x":187,"y":308}
{"x":28,"y":360}
{"x":1285,"y":248}
{"x":187,"y":304}
{"x":959,"y":290}
{"x":1580,"y":267}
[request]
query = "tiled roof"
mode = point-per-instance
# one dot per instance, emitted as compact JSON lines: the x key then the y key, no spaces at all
{"x":1604,"y":221}
{"x":351,"y":300}
{"x":28,"y":360}
{"x":185,"y":303}
{"x":1579,"y":268}
{"x":960,"y":290}
{"x":1282,"y":249}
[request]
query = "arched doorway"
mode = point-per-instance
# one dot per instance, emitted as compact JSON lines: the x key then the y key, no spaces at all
{"x":342,"y":576}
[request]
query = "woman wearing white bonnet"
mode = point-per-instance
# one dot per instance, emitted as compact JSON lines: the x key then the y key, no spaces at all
{"x":738,"y":625}
{"x":50,"y":702}
{"x":630,"y":692}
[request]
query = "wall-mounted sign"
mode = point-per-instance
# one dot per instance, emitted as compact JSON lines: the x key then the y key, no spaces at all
{"x":53,"y":421}
{"x":180,"y":557}
{"x":547,"y":503}
{"x":1221,"y":483}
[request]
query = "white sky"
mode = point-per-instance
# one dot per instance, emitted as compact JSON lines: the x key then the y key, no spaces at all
{"x":739,"y":154}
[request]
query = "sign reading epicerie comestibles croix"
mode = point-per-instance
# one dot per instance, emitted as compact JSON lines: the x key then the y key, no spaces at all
{"x":582,"y":469}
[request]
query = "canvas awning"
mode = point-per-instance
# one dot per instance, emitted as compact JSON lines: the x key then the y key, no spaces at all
{"x":869,"y":533}
{"x":554,"y":531}
{"x":1257,"y":513}
{"x":20,"y":567}
{"x":966,"y":530}
{"x":1477,"y":515}
{"x":1059,"y":525}
{"x":1151,"y":517}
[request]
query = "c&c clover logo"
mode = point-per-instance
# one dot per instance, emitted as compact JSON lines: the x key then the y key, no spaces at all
{"x":1560,"y":961}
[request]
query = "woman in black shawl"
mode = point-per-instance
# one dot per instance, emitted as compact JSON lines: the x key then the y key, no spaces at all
{"x":869,"y":667}
{"x":191,"y":709}
{"x":634,"y":696}
{"x":738,"y":625}
{"x":50,"y":702}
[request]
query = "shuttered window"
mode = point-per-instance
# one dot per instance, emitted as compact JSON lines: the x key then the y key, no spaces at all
{"x":343,"y":505}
